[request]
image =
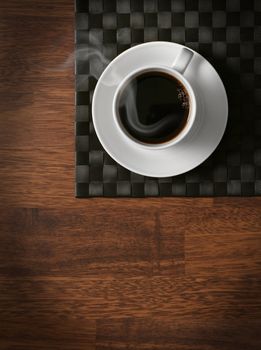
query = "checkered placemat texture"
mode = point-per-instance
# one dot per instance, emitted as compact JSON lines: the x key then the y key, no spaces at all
{"x":228,"y":34}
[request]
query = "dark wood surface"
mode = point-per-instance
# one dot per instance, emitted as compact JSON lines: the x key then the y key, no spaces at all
{"x":105,"y":273}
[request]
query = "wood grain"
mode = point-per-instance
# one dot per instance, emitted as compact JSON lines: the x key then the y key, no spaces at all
{"x":162,"y":333}
{"x":176,"y":273}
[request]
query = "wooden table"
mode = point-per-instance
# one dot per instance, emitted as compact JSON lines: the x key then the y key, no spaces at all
{"x":105,"y":273}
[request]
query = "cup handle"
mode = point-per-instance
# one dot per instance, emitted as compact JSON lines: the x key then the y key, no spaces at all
{"x":182,"y":60}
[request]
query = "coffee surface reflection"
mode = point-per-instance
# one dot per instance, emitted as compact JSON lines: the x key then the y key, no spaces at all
{"x":153,"y":107}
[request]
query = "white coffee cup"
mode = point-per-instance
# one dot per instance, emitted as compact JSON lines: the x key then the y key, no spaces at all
{"x":204,"y":127}
{"x":177,"y":70}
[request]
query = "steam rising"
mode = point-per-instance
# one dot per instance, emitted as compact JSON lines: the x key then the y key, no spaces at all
{"x":92,"y":55}
{"x":129,"y":107}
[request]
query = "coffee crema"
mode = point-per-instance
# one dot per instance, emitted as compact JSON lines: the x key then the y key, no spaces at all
{"x":153,"y":107}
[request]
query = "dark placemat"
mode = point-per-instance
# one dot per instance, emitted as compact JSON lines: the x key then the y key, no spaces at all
{"x":228,"y":34}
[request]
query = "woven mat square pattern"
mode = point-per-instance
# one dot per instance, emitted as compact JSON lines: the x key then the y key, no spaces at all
{"x":228,"y":34}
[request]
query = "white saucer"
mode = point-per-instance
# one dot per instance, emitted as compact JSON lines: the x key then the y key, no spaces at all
{"x":183,"y":156}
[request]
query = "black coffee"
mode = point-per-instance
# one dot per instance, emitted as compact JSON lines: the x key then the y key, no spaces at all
{"x":153,"y":107}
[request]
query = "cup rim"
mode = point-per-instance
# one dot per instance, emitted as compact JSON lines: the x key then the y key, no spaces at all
{"x":192,"y":111}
